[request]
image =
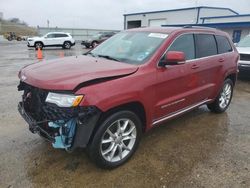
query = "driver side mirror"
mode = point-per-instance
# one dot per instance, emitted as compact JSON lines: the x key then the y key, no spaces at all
{"x":173,"y":58}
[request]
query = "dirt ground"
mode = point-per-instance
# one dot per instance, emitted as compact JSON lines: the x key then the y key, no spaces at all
{"x":199,"y":149}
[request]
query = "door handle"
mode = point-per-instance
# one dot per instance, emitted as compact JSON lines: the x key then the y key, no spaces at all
{"x":195,"y":66}
{"x":221,"y":60}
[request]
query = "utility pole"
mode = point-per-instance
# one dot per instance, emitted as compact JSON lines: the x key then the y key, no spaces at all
{"x":48,"y":23}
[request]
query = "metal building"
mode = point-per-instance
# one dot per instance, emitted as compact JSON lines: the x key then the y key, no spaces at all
{"x":238,"y":26}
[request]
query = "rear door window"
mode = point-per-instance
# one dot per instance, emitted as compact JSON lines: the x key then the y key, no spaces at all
{"x":185,"y":44}
{"x":59,"y":35}
{"x":224,"y":45}
{"x":205,"y":45}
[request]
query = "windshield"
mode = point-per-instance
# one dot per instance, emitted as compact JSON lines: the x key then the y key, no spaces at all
{"x":244,"y":42}
{"x":130,"y":47}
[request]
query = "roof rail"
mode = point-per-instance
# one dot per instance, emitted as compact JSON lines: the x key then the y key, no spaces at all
{"x":198,"y":27}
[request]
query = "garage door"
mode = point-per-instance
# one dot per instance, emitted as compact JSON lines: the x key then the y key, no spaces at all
{"x":157,"y":22}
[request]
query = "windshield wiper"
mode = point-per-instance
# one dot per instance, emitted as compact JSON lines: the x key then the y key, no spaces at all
{"x":104,"y":56}
{"x":108,"y":57}
{"x":90,"y":53}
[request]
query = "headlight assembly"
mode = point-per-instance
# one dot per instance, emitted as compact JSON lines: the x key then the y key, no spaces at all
{"x":64,"y":100}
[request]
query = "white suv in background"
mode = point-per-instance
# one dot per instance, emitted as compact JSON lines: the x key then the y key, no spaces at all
{"x":52,"y":39}
{"x":243,"y":48}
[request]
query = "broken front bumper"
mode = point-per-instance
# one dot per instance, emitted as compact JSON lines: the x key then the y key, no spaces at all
{"x":86,"y":119}
{"x":33,"y":124}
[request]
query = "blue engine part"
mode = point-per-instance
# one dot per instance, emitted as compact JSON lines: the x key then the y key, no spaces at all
{"x":66,"y":132}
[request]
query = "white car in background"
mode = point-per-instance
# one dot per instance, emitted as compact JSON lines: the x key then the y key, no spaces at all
{"x":243,"y":48}
{"x":52,"y":39}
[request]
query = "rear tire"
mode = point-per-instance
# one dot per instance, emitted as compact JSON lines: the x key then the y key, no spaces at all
{"x":116,"y":139}
{"x":67,"y":45}
{"x":224,"y":98}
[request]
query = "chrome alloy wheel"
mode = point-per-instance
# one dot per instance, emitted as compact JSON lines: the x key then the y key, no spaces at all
{"x":225,"y":96}
{"x":67,"y":45}
{"x":118,"y":140}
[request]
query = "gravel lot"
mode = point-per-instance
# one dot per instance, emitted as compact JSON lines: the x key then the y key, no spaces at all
{"x":199,"y":149}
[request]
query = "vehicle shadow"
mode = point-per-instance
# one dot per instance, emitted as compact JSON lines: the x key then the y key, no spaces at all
{"x":51,"y":49}
{"x":166,"y":155}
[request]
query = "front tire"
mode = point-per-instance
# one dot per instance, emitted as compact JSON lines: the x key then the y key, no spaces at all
{"x":224,"y":98}
{"x":116,"y":139}
{"x":38,"y":45}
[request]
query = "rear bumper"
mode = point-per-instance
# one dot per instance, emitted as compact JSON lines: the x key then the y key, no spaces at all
{"x":85,"y":43}
{"x":86,"y":122}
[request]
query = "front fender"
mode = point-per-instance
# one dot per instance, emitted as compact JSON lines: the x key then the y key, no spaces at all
{"x":107,"y":99}
{"x":139,"y":87}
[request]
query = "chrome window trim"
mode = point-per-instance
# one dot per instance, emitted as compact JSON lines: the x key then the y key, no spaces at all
{"x":191,"y":60}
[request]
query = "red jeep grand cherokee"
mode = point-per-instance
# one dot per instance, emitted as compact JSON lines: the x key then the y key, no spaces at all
{"x":104,"y":100}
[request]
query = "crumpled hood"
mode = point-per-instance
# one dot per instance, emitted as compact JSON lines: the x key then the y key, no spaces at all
{"x":67,"y":73}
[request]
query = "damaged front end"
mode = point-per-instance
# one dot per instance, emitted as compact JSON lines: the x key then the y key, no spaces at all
{"x":65,"y":127}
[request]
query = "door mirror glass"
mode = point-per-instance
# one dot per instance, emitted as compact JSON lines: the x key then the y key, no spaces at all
{"x":173,"y":58}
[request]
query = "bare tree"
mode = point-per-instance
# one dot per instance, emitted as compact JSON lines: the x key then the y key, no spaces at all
{"x":15,"y":20}
{"x":18,"y":21}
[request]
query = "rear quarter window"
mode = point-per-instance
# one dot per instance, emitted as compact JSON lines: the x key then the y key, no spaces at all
{"x":205,"y":45}
{"x":224,"y":45}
